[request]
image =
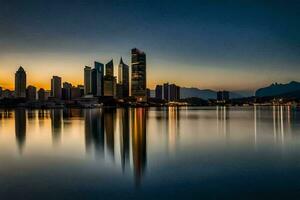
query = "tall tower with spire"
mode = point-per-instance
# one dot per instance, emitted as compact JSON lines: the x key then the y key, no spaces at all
{"x":123,"y":78}
{"x":20,"y":83}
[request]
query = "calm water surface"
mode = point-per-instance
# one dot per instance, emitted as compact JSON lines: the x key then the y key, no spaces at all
{"x":156,"y":153}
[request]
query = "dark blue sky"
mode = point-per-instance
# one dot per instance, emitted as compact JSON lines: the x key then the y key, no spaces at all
{"x":237,"y":45}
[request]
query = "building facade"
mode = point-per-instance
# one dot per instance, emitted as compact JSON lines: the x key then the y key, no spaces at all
{"x":87,"y":80}
{"x":20,"y":83}
{"x":123,"y":78}
{"x":97,"y":79}
{"x":138,"y":75}
{"x":56,"y":91}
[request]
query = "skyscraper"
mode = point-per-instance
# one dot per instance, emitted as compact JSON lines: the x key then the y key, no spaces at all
{"x":20,"y":83}
{"x":109,"y":68}
{"x":56,"y":87}
{"x":158,"y":92}
{"x":87,"y":80}
{"x":166,"y":91}
{"x":97,"y":79}
{"x":123,"y":78}
{"x":138,"y":75}
{"x":109,"y":80}
{"x":174,"y":92}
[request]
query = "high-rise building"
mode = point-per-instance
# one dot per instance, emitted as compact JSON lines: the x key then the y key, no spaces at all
{"x":56,"y":87}
{"x":110,"y":86}
{"x":97,"y":79}
{"x":20,"y":83}
{"x":158,"y":92}
{"x":66,"y":91}
{"x":42,"y":94}
{"x":174,"y":92}
{"x":31,"y":93}
{"x":138,"y":75}
{"x":123,"y":78}
{"x":166,"y":91}
{"x":87,"y":80}
{"x":109,"y":68}
{"x":171,"y":92}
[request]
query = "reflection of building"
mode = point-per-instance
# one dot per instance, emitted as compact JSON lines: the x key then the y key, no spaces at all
{"x":173,"y":118}
{"x":87,"y":80}
{"x":20,"y":83}
{"x":124,"y":137}
{"x":223,"y":121}
{"x":56,"y":87}
{"x":138,"y":75}
{"x":109,"y":119}
{"x":158,"y":92}
{"x":56,"y":124}
{"x":94,"y":130}
{"x":138,"y":125}
{"x":31,"y":93}
{"x":20,"y":127}
{"x":123,"y":79}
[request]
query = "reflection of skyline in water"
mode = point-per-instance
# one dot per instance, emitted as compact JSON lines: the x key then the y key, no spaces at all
{"x":121,"y":134}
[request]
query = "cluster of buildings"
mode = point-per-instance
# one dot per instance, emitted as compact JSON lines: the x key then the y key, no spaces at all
{"x":167,"y":92}
{"x":99,"y":82}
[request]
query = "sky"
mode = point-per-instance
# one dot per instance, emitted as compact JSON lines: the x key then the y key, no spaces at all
{"x":233,"y":45}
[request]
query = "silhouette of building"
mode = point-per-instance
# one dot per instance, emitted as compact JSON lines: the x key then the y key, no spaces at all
{"x":97,"y":79}
{"x":41,"y":94}
{"x":31,"y":93}
{"x":158,"y":92}
{"x":123,"y":78}
{"x":76,"y":92}
{"x":174,"y":92}
{"x":223,"y":96}
{"x":20,"y":83}
{"x":87,"y":80}
{"x":56,"y":87}
{"x":66,"y":91}
{"x":171,"y":92}
{"x":166,"y":91}
{"x":0,"y":92}
{"x":138,"y":75}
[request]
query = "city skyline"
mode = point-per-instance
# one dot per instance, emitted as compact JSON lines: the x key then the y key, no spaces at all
{"x":230,"y":45}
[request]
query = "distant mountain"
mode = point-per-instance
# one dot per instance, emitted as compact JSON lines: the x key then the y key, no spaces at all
{"x":278,"y":89}
{"x":204,"y":94}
